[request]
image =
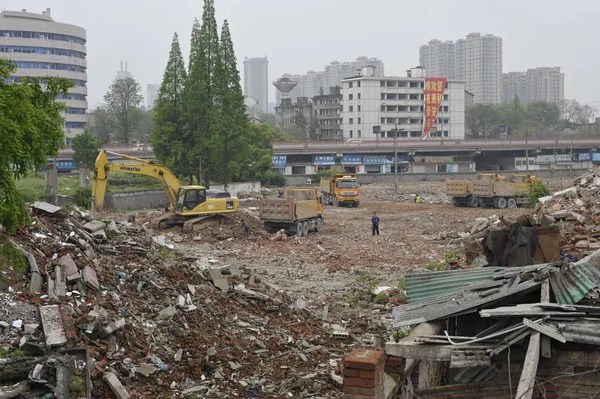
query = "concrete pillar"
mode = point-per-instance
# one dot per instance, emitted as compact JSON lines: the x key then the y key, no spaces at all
{"x":430,"y":373}
{"x":52,"y":183}
{"x":84,"y":175}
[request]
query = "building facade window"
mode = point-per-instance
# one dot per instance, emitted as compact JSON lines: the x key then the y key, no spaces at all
{"x":75,"y":125}
{"x":351,"y":108}
{"x":49,"y":65}
{"x":351,"y":121}
{"x":359,"y":96}
{"x":350,"y":97}
{"x":41,"y":35}
{"x":359,"y":108}
{"x":41,"y":50}
{"x":77,"y":111}
{"x":359,"y":122}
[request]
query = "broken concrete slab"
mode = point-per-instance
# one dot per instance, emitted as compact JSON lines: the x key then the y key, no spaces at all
{"x":90,"y":278}
{"x":52,"y":325}
{"x":94,"y":226}
{"x":100,"y":235}
{"x":166,"y":313}
{"x":218,"y":280}
{"x":60,"y":284}
{"x":69,"y":263}
{"x":146,"y":370}
{"x":115,"y":386}
{"x":114,"y":326}
{"x":29,"y":329}
{"x":49,"y":208}
{"x":178,"y":355}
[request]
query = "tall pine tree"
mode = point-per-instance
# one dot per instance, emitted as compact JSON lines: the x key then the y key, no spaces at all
{"x":233,"y":123}
{"x":201,"y":113}
{"x":168,"y":140}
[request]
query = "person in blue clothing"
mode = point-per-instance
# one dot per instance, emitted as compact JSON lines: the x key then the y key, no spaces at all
{"x":375,"y":222}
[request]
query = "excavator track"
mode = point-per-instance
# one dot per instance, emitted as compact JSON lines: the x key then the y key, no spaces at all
{"x":203,"y":222}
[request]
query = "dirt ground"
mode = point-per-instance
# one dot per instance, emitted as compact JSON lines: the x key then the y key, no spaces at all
{"x":325,"y":266}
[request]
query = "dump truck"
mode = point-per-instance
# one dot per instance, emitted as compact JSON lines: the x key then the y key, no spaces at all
{"x":341,"y":190}
{"x":507,"y":193}
{"x":298,"y":212}
{"x":492,"y":190}
{"x":461,"y":191}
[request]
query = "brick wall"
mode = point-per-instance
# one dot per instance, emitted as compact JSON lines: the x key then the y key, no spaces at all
{"x":363,"y":371}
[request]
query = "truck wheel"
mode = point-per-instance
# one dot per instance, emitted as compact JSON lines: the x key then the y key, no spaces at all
{"x":299,"y":229}
{"x":319,"y":225}
{"x":501,"y":203}
{"x":511,"y":203}
{"x":473,"y":202}
{"x":356,"y":204}
{"x":305,"y":229}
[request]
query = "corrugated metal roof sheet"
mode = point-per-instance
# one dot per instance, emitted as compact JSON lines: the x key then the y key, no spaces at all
{"x":446,"y":306}
{"x":421,"y":286}
{"x":574,"y":282}
{"x":584,"y":333}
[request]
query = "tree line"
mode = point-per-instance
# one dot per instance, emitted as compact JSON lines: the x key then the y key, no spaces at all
{"x":201,"y":127}
{"x":515,"y":119}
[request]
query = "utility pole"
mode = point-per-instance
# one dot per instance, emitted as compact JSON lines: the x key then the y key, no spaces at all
{"x":395,"y":160}
{"x":532,"y":129}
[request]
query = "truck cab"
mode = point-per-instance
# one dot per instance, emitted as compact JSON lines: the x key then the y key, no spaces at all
{"x":341,"y":189}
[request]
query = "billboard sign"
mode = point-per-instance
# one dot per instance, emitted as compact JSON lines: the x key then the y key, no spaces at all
{"x":324,"y":159}
{"x":433,"y":96}
{"x":352,"y":159}
{"x":279,"y":161}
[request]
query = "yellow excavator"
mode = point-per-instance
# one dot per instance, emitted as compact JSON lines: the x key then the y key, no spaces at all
{"x":189,"y":206}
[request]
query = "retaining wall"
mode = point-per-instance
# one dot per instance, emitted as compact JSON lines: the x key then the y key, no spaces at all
{"x":145,"y":199}
{"x":234,"y":188}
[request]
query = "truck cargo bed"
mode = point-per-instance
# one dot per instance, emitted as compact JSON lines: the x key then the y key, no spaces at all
{"x":287,"y":209}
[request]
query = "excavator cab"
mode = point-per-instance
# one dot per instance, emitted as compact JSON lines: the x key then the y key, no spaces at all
{"x":190,"y":197}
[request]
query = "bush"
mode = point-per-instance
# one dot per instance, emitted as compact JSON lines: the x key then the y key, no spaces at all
{"x":272,"y":178}
{"x":83,"y":197}
{"x":537,"y":191}
{"x":325,"y":173}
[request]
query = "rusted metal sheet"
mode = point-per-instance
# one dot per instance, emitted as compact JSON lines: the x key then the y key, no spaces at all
{"x":548,"y":249}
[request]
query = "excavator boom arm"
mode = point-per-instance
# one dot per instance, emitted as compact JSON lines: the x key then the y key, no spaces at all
{"x":103,"y":166}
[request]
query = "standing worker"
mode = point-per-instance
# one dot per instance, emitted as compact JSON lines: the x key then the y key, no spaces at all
{"x":418,"y":199}
{"x":375,"y":222}
{"x":246,"y":228}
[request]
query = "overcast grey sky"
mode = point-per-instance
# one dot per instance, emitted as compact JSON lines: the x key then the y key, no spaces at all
{"x":297,"y":36}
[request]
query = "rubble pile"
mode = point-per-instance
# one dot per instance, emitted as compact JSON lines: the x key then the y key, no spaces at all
{"x":112,"y":305}
{"x":576,"y":211}
{"x":430,"y":192}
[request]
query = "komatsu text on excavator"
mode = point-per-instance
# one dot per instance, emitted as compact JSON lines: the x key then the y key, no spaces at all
{"x":188,"y":205}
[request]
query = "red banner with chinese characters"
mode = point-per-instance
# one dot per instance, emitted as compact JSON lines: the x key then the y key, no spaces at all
{"x":433,"y":96}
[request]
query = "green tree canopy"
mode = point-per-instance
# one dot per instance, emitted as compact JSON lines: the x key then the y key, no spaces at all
{"x":168,"y":131}
{"x":543,"y":113}
{"x":103,"y":124}
{"x":122,"y":97}
{"x":31,"y":130}
{"x":86,"y":148}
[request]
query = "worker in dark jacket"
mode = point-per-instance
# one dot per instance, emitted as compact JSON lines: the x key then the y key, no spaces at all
{"x":375,"y":222}
{"x":246,"y":228}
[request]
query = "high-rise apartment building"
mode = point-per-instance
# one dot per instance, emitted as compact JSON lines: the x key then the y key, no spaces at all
{"x":438,"y":58}
{"x":477,"y":59}
{"x":40,"y":47}
{"x":152,"y":95}
{"x":310,"y":84}
{"x":256,"y":81}
{"x":539,"y":84}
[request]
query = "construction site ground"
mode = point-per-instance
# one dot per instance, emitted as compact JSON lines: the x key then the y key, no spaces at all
{"x":325,"y":266}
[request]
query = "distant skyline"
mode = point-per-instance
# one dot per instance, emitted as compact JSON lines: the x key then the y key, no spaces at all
{"x":296,"y":38}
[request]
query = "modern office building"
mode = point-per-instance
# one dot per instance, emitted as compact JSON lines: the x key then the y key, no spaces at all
{"x":122,"y":74}
{"x":477,"y":59}
{"x":539,"y":84}
{"x":42,"y":47}
{"x":152,"y":95}
{"x":391,"y":103}
{"x":256,"y":81}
